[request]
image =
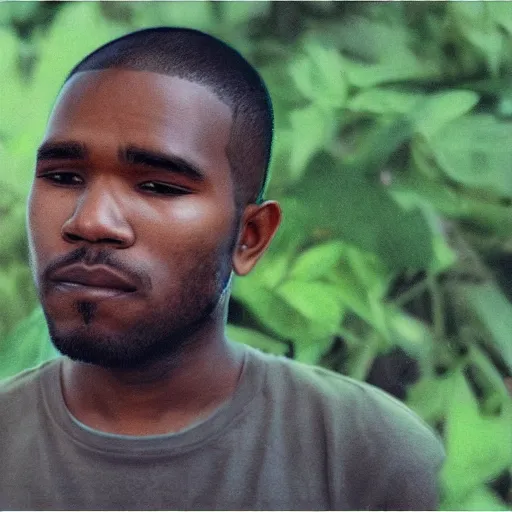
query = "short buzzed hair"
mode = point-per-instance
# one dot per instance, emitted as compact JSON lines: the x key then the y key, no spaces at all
{"x":203,"y":59}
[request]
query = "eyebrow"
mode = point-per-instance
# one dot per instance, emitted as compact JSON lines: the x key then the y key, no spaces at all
{"x":133,"y":155}
{"x":172,"y":163}
{"x":62,"y":151}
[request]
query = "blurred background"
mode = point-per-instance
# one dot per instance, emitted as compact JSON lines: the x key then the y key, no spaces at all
{"x":393,"y":164}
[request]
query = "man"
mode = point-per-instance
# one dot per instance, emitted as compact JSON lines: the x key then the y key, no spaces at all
{"x":147,"y":197}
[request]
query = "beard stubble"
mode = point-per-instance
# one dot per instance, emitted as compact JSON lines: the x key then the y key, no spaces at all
{"x":161,"y":334}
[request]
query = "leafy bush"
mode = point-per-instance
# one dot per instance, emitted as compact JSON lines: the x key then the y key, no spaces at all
{"x":393,"y":165}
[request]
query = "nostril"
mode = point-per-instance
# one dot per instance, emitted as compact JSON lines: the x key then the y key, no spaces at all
{"x":111,"y":241}
{"x":72,"y":238}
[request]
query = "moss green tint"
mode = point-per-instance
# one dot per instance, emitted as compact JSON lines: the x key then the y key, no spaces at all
{"x":392,"y":162}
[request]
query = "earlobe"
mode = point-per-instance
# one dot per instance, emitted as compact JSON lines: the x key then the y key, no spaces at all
{"x":258,"y":227}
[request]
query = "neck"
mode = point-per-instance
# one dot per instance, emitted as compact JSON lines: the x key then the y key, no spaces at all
{"x":162,"y":398}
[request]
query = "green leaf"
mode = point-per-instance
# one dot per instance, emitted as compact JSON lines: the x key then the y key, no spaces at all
{"x":477,"y":25}
{"x":478,"y":448}
{"x":11,"y":85}
{"x":487,"y":215}
{"x":409,"y":333}
{"x":501,"y":14}
{"x":352,"y":293}
{"x":342,"y":201}
{"x":495,"y":312}
{"x":360,"y":360}
{"x":256,"y":339}
{"x":12,"y":225}
{"x":365,"y":303}
{"x":22,"y":11}
{"x":292,"y":318}
{"x":409,"y":68}
{"x":371,"y":40}
{"x":18,"y":295}
{"x":430,"y":397}
{"x":380,"y":52}
{"x":319,"y":75}
{"x":384,"y":101}
{"x":281,"y":156}
{"x":427,"y":113}
{"x":272,"y":311}
{"x":489,"y":380}
{"x":369,"y":270}
{"x":476,"y":151}
{"x":444,"y":256}
{"x":424,"y":164}
{"x":10,"y":306}
{"x":197,"y":15}
{"x":480,"y":498}
{"x":440,"y":108}
{"x":317,"y":262}
{"x":28,"y":345}
{"x":311,"y":131}
{"x":386,"y":136}
{"x":318,"y":302}
{"x":312,"y":351}
{"x":274,"y":269}
{"x":78,"y":27}
{"x":379,"y":320}
{"x":236,"y":13}
{"x":306,"y":313}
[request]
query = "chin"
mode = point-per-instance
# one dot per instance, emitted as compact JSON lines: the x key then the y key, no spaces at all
{"x":89,"y":333}
{"x":96,"y":349}
{"x":130,"y":349}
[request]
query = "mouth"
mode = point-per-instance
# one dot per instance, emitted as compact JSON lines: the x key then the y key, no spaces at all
{"x":94,"y":282}
{"x":89,"y":292}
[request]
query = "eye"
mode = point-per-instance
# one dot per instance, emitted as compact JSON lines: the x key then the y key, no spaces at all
{"x":62,"y":178}
{"x":163,"y":189}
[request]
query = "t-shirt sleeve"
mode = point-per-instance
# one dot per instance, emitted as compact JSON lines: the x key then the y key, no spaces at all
{"x":410,"y":454}
{"x":414,"y":483}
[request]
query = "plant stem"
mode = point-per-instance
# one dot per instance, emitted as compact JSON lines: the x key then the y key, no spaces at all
{"x":436,"y":295}
{"x":410,"y":294}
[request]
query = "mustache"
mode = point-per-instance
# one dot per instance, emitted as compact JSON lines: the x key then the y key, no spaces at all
{"x":89,"y":257}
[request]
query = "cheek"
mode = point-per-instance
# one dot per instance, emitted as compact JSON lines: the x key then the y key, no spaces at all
{"x":185,"y":237}
{"x":190,"y":221}
{"x":206,"y":227}
{"x":192,"y":214}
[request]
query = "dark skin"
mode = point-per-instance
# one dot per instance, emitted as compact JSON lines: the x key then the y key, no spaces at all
{"x":132,"y":175}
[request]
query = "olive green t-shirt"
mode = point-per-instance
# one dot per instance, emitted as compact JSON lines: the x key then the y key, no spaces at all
{"x":292,"y":437}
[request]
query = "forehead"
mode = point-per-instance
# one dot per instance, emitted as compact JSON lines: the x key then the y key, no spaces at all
{"x":111,"y":108}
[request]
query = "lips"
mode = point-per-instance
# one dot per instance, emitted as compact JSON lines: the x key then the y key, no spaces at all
{"x":94,"y":277}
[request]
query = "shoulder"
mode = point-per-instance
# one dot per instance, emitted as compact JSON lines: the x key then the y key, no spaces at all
{"x":22,"y":397}
{"x":23,"y":417}
{"x":367,"y":433}
{"x":340,"y":400}
{"x":335,"y":389}
{"x":27,"y":382}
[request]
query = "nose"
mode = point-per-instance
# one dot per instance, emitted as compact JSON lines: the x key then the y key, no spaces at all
{"x":99,"y":218}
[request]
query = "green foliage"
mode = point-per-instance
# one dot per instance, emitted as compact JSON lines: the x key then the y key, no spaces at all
{"x":392,"y":164}
{"x":494,"y":312}
{"x":27,"y":345}
{"x":476,"y":456}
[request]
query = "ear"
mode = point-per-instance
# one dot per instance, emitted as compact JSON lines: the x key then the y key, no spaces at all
{"x":258,"y":226}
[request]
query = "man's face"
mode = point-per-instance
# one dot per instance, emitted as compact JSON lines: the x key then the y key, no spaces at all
{"x":131,"y":215}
